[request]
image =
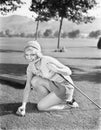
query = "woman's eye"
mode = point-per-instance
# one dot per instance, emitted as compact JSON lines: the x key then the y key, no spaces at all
{"x":32,"y":54}
{"x":25,"y":55}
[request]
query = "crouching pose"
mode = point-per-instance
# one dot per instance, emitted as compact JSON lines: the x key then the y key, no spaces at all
{"x":44,"y":75}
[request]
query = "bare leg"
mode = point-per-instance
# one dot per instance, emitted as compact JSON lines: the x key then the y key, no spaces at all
{"x":41,"y":86}
{"x":48,"y":98}
{"x":41,"y":92}
{"x":48,"y":102}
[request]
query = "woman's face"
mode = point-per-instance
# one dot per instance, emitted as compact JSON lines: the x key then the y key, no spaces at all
{"x":30,"y":55}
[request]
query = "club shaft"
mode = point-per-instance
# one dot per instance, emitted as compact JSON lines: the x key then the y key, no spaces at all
{"x":80,"y":91}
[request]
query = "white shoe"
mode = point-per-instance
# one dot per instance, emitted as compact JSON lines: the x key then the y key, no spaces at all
{"x":58,"y":107}
{"x":72,"y":103}
{"x":21,"y":112}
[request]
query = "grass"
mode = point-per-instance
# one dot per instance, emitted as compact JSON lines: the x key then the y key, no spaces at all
{"x":87,"y":117}
{"x":85,"y":64}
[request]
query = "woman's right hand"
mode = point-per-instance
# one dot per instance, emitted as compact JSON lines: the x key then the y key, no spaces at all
{"x":21,"y":111}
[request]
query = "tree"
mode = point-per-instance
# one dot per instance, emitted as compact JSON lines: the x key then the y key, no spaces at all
{"x":39,"y":7}
{"x":74,"y":34}
{"x":56,"y":33}
{"x":7,"y":33}
{"x":22,"y":34}
{"x":64,"y":35}
{"x":73,"y":10}
{"x":2,"y":34}
{"x":7,"y":6}
{"x":95,"y":34}
{"x":47,"y":33}
{"x":37,"y":34}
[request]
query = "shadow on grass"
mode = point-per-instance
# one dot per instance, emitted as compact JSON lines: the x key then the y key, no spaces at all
{"x":20,"y":69}
{"x":13,"y":84}
{"x":16,"y":69}
{"x":11,"y":108}
{"x":94,"y":77}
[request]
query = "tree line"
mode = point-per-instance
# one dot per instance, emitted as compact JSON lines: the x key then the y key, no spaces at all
{"x":48,"y":33}
{"x":72,"y":10}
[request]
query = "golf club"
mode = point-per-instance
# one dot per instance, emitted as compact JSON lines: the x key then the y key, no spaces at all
{"x":80,"y":91}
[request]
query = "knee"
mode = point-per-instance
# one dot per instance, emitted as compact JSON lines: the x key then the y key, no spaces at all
{"x":40,"y":106}
{"x":34,"y":81}
{"x":61,"y":93}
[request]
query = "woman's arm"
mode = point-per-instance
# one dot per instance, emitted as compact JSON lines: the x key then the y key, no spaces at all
{"x":64,"y":71}
{"x":27,"y":89}
{"x":22,"y":109}
{"x":61,"y":70}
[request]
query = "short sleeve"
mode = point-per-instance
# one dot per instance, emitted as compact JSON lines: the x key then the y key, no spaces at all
{"x":59,"y":68}
{"x":52,"y":67}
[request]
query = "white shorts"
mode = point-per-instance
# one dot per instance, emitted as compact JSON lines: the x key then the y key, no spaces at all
{"x":49,"y":85}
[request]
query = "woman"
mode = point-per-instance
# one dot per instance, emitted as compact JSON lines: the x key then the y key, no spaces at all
{"x":45,"y":74}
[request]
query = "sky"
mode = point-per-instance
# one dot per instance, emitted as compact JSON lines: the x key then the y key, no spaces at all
{"x":97,"y":10}
{"x":24,"y":10}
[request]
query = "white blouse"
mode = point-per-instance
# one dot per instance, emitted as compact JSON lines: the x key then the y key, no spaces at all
{"x":49,"y":69}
